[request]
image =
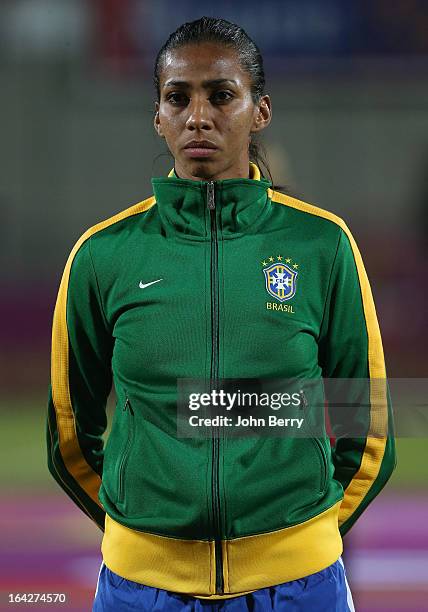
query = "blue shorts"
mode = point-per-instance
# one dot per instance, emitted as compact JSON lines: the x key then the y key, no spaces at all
{"x":324,"y":591}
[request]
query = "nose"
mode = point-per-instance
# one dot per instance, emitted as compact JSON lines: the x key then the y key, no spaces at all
{"x":199,"y":114}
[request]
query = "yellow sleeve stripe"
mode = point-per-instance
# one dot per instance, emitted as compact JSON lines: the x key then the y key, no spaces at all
{"x":376,"y":440}
{"x":70,"y":450}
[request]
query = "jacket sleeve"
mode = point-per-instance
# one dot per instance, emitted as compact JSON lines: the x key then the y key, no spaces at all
{"x":80,"y":383}
{"x":350,"y":347}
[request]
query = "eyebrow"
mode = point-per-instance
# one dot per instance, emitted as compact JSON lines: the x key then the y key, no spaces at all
{"x":208,"y":83}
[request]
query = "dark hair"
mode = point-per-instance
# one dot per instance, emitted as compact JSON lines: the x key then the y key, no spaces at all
{"x":210,"y":29}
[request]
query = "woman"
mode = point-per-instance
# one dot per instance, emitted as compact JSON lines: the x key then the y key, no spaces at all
{"x":216,"y":275}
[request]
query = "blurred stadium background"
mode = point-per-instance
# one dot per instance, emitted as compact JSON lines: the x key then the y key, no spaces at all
{"x":348,"y":81}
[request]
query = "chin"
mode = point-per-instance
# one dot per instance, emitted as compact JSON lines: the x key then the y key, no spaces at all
{"x":202,"y":170}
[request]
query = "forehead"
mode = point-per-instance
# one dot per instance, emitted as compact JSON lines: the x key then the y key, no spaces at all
{"x":198,"y":62}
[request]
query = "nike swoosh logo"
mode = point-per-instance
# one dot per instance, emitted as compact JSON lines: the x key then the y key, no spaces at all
{"x":144,"y":285}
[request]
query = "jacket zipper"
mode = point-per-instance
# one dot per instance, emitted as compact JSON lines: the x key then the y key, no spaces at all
{"x":317,"y":442}
{"x":213,"y":380}
{"x":126,"y":450}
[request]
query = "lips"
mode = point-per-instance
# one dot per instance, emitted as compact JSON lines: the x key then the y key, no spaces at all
{"x":200,"y":148}
{"x":200,"y":144}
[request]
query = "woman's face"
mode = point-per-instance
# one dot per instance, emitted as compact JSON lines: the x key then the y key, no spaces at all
{"x":205,"y":96}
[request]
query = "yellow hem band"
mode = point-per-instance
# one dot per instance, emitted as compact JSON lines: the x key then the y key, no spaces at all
{"x":249,"y":562}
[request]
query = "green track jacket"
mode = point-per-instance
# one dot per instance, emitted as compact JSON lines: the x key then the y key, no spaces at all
{"x":178,"y":286}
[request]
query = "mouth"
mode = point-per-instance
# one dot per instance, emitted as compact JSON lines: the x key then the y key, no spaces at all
{"x":200,"y":149}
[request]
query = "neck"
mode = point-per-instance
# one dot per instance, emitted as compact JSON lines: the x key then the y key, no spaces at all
{"x":202,"y":173}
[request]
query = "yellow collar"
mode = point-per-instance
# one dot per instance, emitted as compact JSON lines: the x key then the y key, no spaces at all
{"x":254,"y":172}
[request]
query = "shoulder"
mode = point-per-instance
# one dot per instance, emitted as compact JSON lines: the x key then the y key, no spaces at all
{"x":113,"y":225}
{"x":325,"y":223}
{"x":307,"y":209}
{"x":122,"y":217}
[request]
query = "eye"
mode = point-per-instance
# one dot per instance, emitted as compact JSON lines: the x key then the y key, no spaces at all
{"x":221,"y":96}
{"x":176,"y":98}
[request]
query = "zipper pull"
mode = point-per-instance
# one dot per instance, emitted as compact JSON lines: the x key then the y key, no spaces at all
{"x":210,"y":195}
{"x":303,"y":399}
{"x":128,"y":405}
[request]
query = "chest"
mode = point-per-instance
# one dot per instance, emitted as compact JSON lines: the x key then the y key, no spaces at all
{"x":254,"y":305}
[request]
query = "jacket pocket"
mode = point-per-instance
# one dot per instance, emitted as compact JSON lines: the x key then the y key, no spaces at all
{"x":323,"y":459}
{"x":319,"y":447}
{"x":130,"y":425}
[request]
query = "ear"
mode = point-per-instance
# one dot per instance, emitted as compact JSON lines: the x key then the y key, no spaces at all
{"x":262,"y":114}
{"x":156,"y":121}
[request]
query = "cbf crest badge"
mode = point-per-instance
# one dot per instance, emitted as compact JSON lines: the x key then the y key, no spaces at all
{"x":280,"y":279}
